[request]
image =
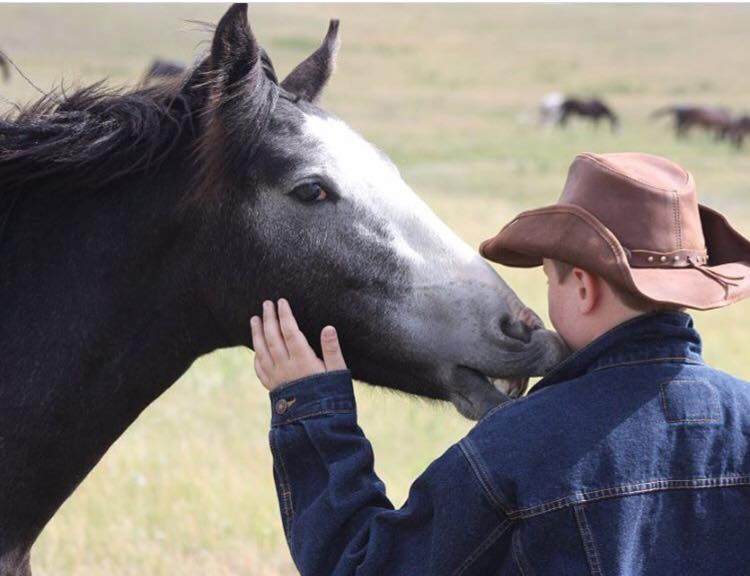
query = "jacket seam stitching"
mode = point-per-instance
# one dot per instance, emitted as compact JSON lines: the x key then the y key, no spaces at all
{"x":491,"y":538}
{"x":658,"y":485}
{"x":481,"y":475}
{"x":286,"y":488}
{"x":310,"y":377}
{"x":313,"y":414}
{"x":587,"y":537}
{"x":504,"y":405}
{"x":648,"y":361}
{"x":662,"y":395}
{"x":518,"y":555}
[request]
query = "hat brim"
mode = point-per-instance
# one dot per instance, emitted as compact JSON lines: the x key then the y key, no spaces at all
{"x":571,"y":234}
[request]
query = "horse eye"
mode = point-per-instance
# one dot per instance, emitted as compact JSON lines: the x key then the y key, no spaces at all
{"x":310,"y":192}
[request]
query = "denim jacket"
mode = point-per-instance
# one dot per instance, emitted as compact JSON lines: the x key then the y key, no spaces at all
{"x":631,"y":457}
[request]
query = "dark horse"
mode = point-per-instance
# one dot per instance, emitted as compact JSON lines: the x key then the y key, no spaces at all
{"x":594,"y":109}
{"x":161,"y":69}
{"x":711,"y":119}
{"x":738,"y":129}
{"x":4,"y":67}
{"x":140,"y":230}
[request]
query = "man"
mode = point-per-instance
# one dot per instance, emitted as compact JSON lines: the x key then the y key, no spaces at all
{"x":630,"y":457}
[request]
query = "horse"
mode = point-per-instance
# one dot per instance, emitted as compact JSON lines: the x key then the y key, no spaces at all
{"x":737,"y":130}
{"x":714,"y":120}
{"x":595,"y":109}
{"x":550,"y":108}
{"x":4,"y":67}
{"x":161,"y":69}
{"x":142,"y":228}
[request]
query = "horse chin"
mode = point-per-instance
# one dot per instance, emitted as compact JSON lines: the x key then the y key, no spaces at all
{"x":474,"y":393}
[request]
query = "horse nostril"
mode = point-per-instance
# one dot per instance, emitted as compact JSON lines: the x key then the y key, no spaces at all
{"x":516,"y":329}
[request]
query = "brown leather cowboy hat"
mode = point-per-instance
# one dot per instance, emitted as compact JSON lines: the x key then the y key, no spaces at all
{"x":633,"y":219}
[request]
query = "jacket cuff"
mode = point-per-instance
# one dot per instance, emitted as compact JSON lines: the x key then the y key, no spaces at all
{"x":316,"y":395}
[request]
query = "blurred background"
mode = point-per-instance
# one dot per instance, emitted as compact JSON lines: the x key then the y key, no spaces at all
{"x":452,"y":94}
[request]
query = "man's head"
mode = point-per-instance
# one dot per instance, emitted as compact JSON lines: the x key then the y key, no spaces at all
{"x":627,"y":237}
{"x":583,"y":305}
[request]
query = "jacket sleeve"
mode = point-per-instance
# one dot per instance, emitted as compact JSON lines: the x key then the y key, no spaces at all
{"x":336,"y":515}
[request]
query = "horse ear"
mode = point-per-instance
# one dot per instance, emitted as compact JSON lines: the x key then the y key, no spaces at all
{"x":236,"y":67}
{"x":309,"y":78}
{"x":235,"y":54}
{"x":235,"y":89}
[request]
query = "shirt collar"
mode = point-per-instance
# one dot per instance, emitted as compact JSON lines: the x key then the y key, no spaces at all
{"x":656,"y":336}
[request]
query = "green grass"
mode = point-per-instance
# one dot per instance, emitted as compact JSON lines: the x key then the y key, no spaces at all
{"x":450,"y":92}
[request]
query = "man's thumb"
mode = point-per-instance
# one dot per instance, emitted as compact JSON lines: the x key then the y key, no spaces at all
{"x":332,"y":356}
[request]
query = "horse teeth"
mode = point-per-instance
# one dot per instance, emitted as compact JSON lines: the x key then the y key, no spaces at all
{"x":505,"y":386}
{"x":510,"y":387}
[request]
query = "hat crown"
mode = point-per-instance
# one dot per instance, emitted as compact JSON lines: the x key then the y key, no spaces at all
{"x":649,"y":203}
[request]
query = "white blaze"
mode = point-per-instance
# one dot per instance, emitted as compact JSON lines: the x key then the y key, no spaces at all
{"x":366,"y":177}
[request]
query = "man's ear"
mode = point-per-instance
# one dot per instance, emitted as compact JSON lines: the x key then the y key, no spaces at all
{"x":309,"y":78}
{"x":588,"y":290}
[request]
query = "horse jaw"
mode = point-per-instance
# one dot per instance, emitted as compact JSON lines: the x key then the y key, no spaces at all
{"x":456,"y":304}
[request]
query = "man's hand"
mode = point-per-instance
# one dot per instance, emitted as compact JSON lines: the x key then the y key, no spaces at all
{"x":282,"y":353}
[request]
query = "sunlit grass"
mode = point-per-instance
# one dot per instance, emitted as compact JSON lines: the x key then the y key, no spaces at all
{"x":450,"y":92}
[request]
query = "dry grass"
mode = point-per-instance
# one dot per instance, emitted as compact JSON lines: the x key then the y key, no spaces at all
{"x":450,"y":93}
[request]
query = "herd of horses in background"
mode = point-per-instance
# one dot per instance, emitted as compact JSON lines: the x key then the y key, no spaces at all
{"x":557,"y":109}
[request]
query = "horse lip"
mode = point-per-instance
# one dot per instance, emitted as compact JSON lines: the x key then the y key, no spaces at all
{"x":512,"y":387}
{"x":476,"y":398}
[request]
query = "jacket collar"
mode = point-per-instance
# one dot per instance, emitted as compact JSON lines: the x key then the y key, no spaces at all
{"x":665,"y":335}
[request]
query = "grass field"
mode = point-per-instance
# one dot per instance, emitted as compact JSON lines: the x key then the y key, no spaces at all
{"x":450,"y":92}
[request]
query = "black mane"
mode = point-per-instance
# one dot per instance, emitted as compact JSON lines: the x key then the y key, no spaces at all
{"x":96,"y":134}
{"x":91,"y":136}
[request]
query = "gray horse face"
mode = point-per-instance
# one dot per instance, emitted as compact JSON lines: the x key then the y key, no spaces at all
{"x":348,"y":242}
{"x":325,"y":220}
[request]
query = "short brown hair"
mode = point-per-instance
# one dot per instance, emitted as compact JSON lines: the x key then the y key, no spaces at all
{"x":634,"y":301}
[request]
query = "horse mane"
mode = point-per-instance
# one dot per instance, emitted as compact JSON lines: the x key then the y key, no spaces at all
{"x":91,"y":136}
{"x":96,"y":134}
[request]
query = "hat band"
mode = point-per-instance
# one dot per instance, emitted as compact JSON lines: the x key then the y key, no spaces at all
{"x":674,"y":259}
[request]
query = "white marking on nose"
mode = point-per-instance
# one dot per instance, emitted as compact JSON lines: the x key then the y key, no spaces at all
{"x":367,"y":178}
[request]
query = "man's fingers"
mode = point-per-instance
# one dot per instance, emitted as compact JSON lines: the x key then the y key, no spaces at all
{"x":259,"y":344}
{"x":274,"y":340}
{"x":332,"y":355}
{"x":295,"y":340}
{"x":261,"y":372}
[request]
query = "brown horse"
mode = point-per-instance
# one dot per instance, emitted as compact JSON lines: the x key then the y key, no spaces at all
{"x":595,"y":109}
{"x":737,"y":130}
{"x":712,"y":119}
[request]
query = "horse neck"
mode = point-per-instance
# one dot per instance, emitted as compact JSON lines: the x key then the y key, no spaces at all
{"x":100,"y":317}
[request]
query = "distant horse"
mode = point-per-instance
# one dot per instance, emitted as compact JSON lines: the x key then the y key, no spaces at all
{"x":550,"y":108}
{"x":737,"y":130}
{"x":4,"y":67}
{"x":711,"y":119}
{"x":595,"y":109}
{"x":161,"y":69}
{"x":141,"y":230}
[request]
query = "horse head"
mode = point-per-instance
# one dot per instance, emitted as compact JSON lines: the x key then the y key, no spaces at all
{"x":296,"y":204}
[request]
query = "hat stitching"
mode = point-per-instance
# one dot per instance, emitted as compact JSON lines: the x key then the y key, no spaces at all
{"x":594,"y":224}
{"x":589,"y":156}
{"x":627,"y":272}
{"x":677,"y":218}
